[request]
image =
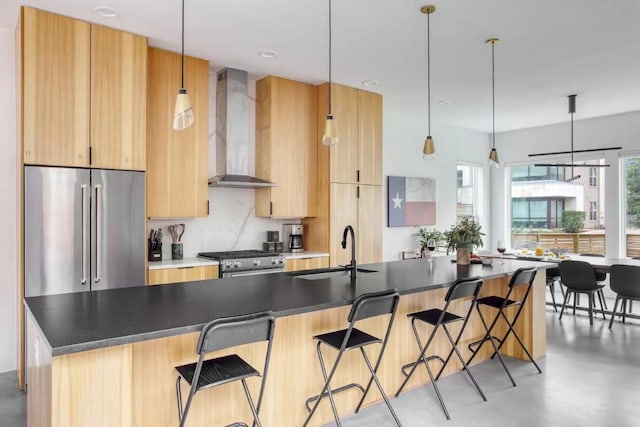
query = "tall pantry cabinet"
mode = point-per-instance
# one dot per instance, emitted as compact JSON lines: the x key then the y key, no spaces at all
{"x":349,"y":176}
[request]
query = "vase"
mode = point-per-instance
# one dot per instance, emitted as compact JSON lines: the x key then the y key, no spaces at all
{"x":462,"y":256}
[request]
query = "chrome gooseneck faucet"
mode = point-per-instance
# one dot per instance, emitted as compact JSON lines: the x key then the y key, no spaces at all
{"x":353,"y":267}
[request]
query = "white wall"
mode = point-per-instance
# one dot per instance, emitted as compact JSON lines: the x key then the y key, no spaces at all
{"x":404,"y":135}
{"x":616,"y":130}
{"x":8,"y":188}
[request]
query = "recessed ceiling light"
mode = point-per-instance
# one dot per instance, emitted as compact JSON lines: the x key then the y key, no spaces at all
{"x":443,"y":102}
{"x":370,"y":82}
{"x":106,"y":11}
{"x":268,"y":53}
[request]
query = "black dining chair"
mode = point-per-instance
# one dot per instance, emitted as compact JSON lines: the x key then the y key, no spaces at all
{"x":625,"y":282}
{"x":601,"y":276}
{"x":579,"y":277}
{"x":553,"y":277}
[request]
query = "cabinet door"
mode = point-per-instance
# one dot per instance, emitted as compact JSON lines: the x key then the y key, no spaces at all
{"x":55,"y":89}
{"x":118,"y":99}
{"x":344,"y":155}
{"x":306,"y":263}
{"x":369,"y":224}
{"x":180,"y":275}
{"x":370,"y":137}
{"x":344,"y":211}
{"x":286,"y":128}
{"x":177,"y":161}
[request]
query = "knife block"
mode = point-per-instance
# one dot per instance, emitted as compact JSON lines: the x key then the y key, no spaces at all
{"x":154,"y":254}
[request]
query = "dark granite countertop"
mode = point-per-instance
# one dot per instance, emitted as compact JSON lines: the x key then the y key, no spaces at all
{"x":90,"y":320}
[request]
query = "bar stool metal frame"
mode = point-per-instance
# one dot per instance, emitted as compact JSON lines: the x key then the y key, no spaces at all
{"x":553,"y":276}
{"x":579,"y":277}
{"x":624,"y":280}
{"x":220,"y":334}
{"x":364,"y":307}
{"x":521,"y":277}
{"x":461,"y":288}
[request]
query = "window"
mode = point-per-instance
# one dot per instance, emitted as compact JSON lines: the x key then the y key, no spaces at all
{"x":630,"y":195}
{"x":545,"y":213}
{"x":593,"y":211}
{"x":593,"y":177}
{"x":469,"y":190}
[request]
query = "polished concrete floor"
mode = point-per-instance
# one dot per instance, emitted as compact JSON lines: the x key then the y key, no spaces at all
{"x":591,"y":378}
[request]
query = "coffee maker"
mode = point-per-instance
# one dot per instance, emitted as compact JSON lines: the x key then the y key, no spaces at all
{"x":293,"y":237}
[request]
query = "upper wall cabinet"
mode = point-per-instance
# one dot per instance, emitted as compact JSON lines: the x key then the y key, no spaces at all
{"x":286,"y":150}
{"x":357,"y":158}
{"x":177,"y":161}
{"x":83,"y":93}
{"x":118,"y":99}
{"x":56,"y":81}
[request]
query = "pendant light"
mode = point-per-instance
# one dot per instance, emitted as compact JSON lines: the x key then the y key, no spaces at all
{"x":330,"y":136}
{"x":573,"y":164}
{"x":183,"y":113}
{"x":493,"y":154}
{"x":429,"y":149}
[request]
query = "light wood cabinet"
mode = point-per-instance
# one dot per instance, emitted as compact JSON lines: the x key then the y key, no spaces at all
{"x":286,"y":152}
{"x":357,"y":157}
{"x":349,"y":177}
{"x":55,"y":64}
{"x":179,"y":275}
{"x":83,"y":93}
{"x":298,"y":264}
{"x":177,"y":161}
{"x":118,"y":99}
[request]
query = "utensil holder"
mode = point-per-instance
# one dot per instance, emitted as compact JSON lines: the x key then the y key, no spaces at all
{"x":155,"y":254}
{"x":176,"y":250}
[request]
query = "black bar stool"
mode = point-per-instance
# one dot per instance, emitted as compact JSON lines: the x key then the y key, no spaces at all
{"x":521,"y":277}
{"x":625,"y":282}
{"x":364,"y":307}
{"x":220,"y":334}
{"x":553,"y":277}
{"x":579,"y":277}
{"x":462,"y":288}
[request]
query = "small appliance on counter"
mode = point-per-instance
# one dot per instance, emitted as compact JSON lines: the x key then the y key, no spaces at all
{"x":246,"y":263}
{"x":273,"y":243}
{"x":293,"y":237}
{"x":154,"y":245}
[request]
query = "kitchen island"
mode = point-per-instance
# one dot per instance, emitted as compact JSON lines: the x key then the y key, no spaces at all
{"x":107,"y":358}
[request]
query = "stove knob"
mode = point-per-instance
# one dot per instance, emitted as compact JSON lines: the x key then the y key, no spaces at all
{"x":281,"y":260}
{"x":274,"y":261}
{"x":256,"y":262}
{"x":238,"y":264}
{"x":229,"y":264}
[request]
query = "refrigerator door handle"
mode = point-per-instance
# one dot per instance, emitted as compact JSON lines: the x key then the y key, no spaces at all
{"x":98,"y":233}
{"x":84,"y":234}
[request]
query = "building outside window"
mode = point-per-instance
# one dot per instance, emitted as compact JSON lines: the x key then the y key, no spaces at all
{"x":630,"y":195}
{"x":469,"y":184}
{"x":593,"y":177}
{"x":593,"y":211}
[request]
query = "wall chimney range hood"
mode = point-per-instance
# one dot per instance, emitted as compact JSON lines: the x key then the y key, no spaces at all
{"x":232,"y":132}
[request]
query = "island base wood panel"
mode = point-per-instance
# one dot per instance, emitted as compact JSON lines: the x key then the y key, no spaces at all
{"x":147,"y":396}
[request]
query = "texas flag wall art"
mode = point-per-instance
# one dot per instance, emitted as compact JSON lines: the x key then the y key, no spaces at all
{"x":411,"y":201}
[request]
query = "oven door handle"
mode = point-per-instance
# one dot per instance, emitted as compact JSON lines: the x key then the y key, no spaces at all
{"x":253,"y":273}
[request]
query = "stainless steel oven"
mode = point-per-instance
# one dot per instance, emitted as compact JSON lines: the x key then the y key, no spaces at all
{"x":252,"y":273}
{"x":246,"y":263}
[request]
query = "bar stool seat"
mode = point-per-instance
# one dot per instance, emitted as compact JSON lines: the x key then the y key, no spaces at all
{"x":356,"y":339}
{"x":218,"y":371}
{"x":497,"y":302}
{"x":431,"y":316}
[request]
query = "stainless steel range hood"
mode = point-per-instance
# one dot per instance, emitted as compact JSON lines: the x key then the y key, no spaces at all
{"x":232,"y":132}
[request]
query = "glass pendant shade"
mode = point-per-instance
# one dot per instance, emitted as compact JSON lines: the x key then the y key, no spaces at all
{"x":429,"y":149}
{"x":493,"y":158}
{"x":330,"y":136}
{"x":183,"y":113}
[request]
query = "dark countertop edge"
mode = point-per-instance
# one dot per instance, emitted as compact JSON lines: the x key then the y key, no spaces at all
{"x":37,"y":325}
{"x":130,"y":339}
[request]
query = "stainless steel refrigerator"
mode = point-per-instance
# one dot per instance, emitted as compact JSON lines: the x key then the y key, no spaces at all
{"x":84,"y":229}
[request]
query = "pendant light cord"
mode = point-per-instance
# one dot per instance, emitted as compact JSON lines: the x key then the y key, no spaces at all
{"x":330,"y":112}
{"x":572,"y":163}
{"x":182,"y":56}
{"x":428,"y":75}
{"x":493,"y":94}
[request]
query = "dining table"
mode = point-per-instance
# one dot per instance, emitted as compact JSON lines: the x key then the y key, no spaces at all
{"x":602,"y":264}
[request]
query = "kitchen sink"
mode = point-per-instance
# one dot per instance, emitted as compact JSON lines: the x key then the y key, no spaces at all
{"x":326,"y":273}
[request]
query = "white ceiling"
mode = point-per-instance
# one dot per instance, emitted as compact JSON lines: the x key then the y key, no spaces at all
{"x":549,"y":49}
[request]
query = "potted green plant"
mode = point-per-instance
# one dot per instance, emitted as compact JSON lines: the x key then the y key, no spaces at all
{"x":424,"y":234}
{"x":462,"y":237}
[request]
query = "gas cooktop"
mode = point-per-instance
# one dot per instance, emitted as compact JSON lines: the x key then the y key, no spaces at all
{"x":221,"y":256}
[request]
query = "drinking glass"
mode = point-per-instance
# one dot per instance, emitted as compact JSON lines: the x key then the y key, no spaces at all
{"x":431,"y":246}
{"x":501,"y":249}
